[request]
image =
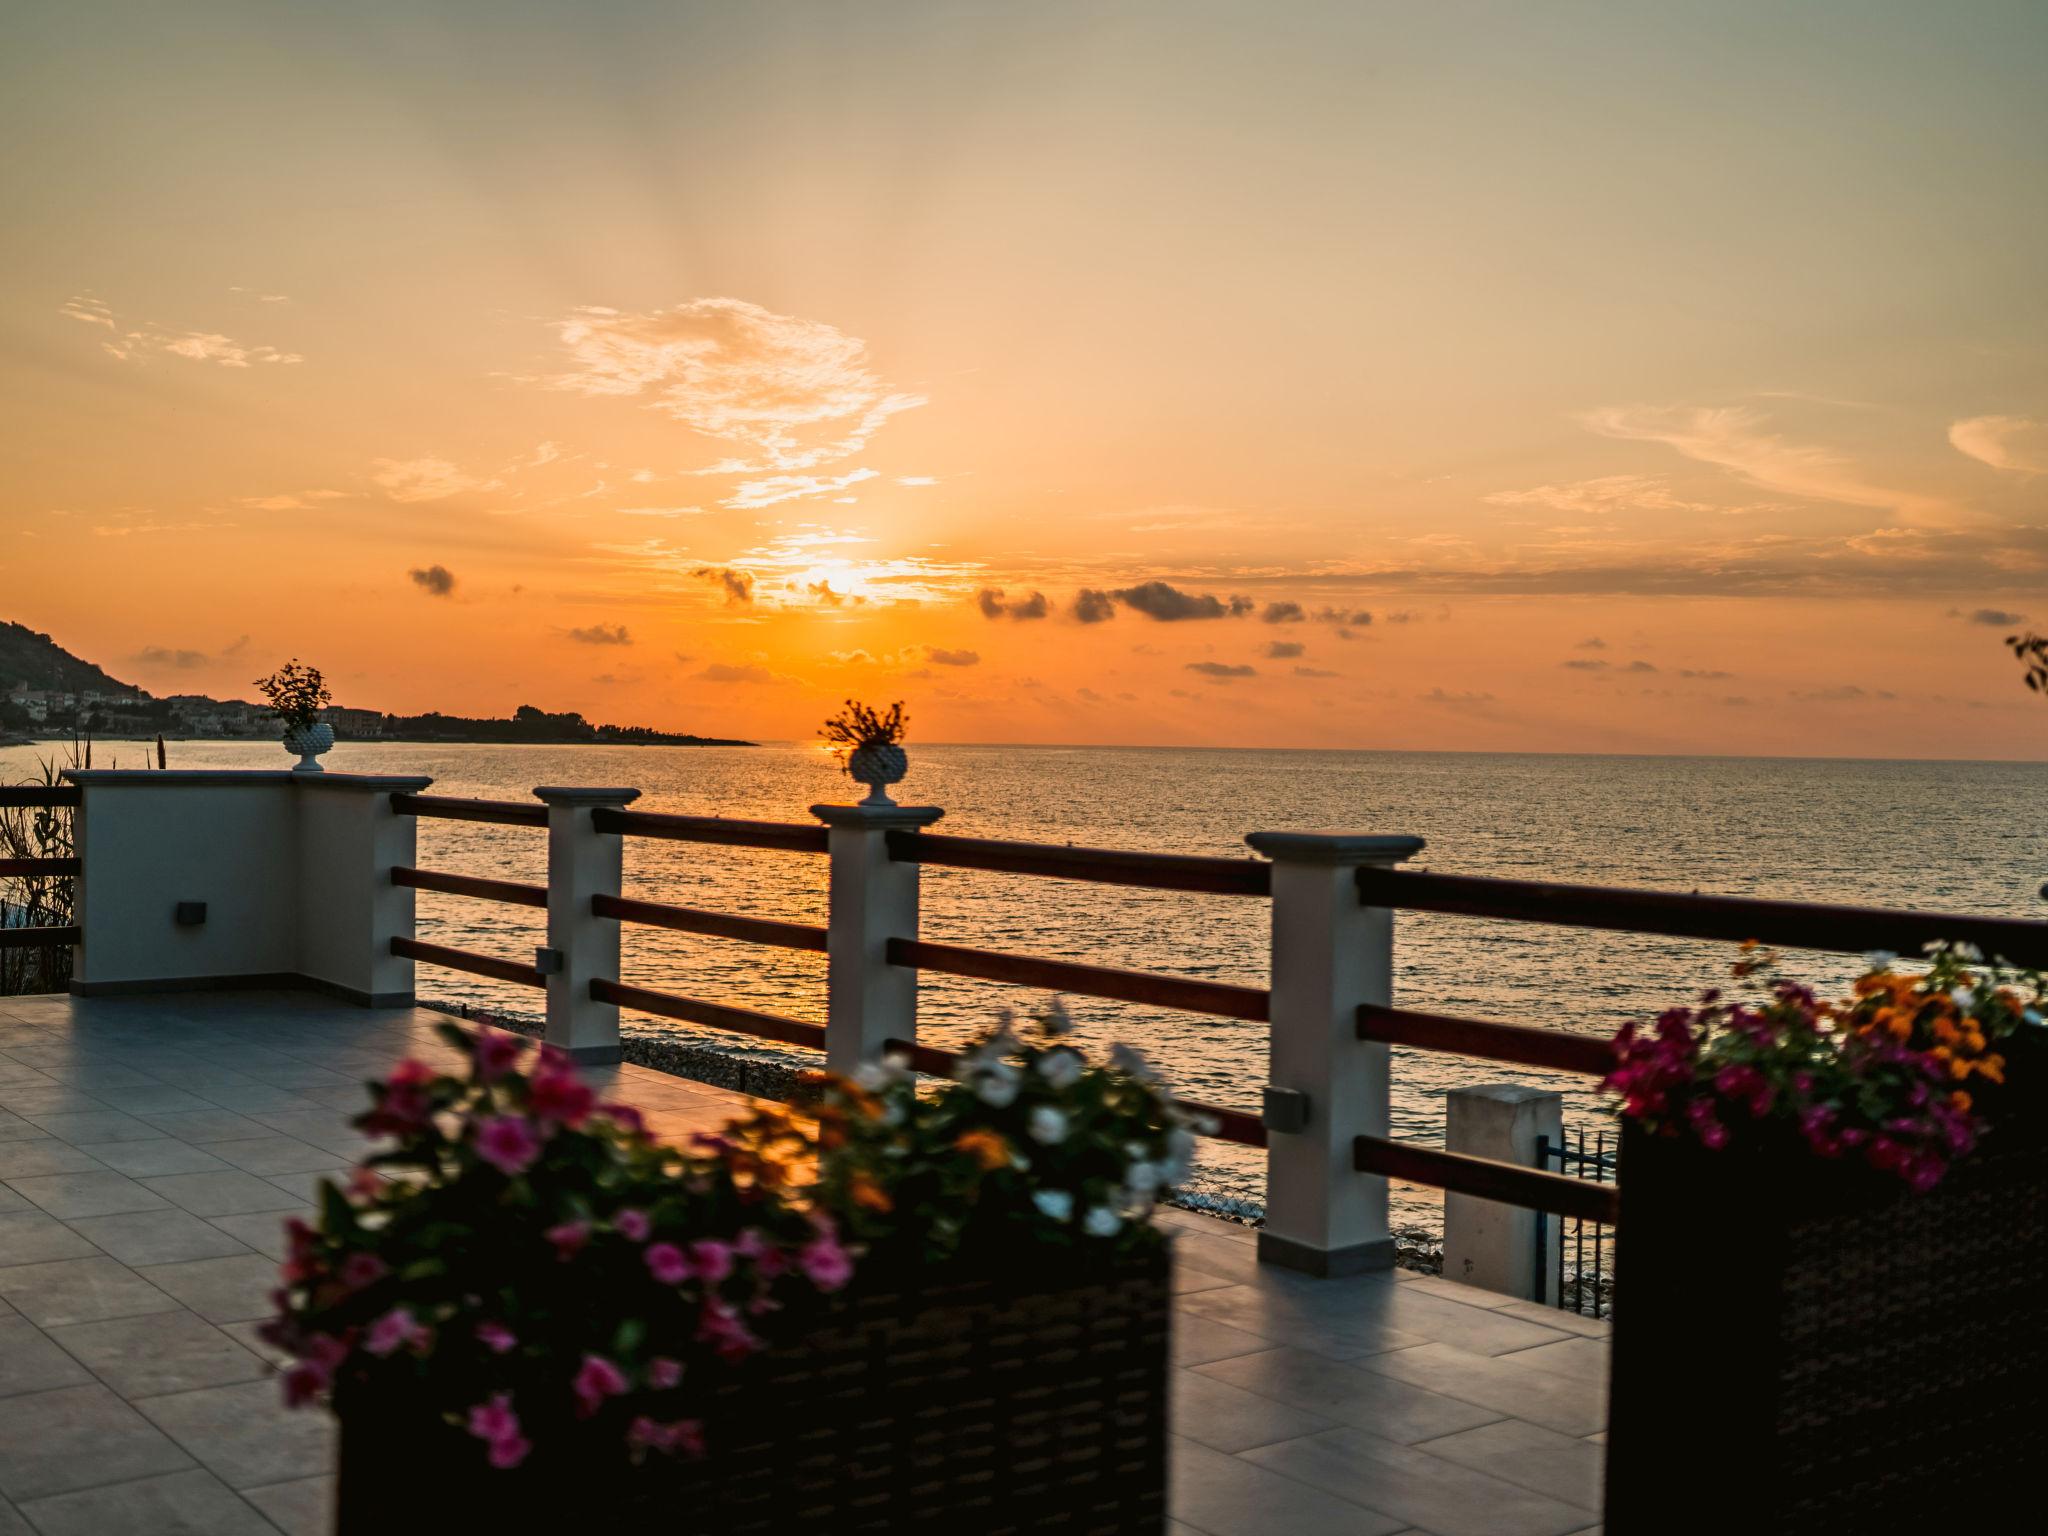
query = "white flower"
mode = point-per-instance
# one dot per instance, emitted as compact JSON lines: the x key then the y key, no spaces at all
{"x":1130,"y":1063}
{"x":1180,"y":1153}
{"x":1054,"y":1204}
{"x":1055,"y":1020}
{"x":1048,"y":1125}
{"x":873,"y":1076}
{"x":1963,"y":998}
{"x":1142,"y":1177}
{"x":1880,"y":959}
{"x":1101,"y":1221}
{"x":1966,"y":952}
{"x":1061,"y":1068}
{"x":997,"y":1086}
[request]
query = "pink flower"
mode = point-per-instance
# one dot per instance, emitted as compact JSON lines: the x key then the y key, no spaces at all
{"x":558,"y":1094}
{"x":395,"y":1330}
{"x":497,"y":1338}
{"x":720,"y":1326}
{"x":364,"y":1184}
{"x":507,"y":1453}
{"x":361,"y":1269}
{"x":625,"y":1117}
{"x":663,"y":1373}
{"x":666,"y":1263}
{"x":598,"y":1380}
{"x":497,"y":1425}
{"x":711,"y":1259}
{"x":632,"y":1224}
{"x":497,"y":1053}
{"x":304,"y":1383}
{"x":684,"y":1435}
{"x":568,"y":1238}
{"x":411,"y":1073}
{"x":827,"y":1265}
{"x":508,"y":1144}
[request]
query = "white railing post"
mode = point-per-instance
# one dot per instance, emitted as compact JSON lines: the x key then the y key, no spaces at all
{"x":1331,"y":952}
{"x":582,"y":947}
{"x":1487,"y":1244}
{"x":873,"y":899}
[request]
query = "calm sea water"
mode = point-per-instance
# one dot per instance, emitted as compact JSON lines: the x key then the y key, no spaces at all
{"x":1970,"y":837}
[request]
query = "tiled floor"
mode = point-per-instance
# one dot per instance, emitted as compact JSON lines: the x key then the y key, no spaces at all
{"x":151,"y":1147}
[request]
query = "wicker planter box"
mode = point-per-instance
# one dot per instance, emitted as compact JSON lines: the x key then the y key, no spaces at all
{"x":971,"y":1406}
{"x":1802,"y":1346}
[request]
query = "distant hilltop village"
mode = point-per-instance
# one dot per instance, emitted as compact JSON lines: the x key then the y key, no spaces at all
{"x":44,"y":689}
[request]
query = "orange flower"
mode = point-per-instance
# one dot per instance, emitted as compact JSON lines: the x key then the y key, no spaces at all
{"x":986,"y":1147}
{"x":1993,"y":1067}
{"x":869,"y":1195}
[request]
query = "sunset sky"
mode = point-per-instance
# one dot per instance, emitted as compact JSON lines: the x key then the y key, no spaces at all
{"x":1632,"y":377}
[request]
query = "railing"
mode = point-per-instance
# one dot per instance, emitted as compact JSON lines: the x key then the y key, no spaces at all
{"x":44,"y":935}
{"x":1332,"y":899}
{"x":1589,"y":1289}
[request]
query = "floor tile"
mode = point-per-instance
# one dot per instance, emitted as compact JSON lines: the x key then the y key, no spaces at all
{"x":152,"y":1098}
{"x":94,"y":1125}
{"x":1581,"y":1359}
{"x":30,"y":1362}
{"x":205,"y":1124}
{"x":191,"y":1503}
{"x":1419,"y":1489}
{"x":1557,"y":1317}
{"x":166,"y":1352}
{"x":157,"y":1237}
{"x":79,"y":1291}
{"x":99,"y":1193}
{"x":229,"y":1192}
{"x":1228,"y":1496}
{"x":1529,"y":1455}
{"x":14,"y":1128}
{"x":1339,"y":1390}
{"x":261,"y":1230}
{"x":157,"y":1156}
{"x":30,"y":1236}
{"x":77,"y":1437}
{"x":1287,"y":1318}
{"x":301,"y":1508}
{"x":224,"y":1290}
{"x":1198,"y":1340}
{"x":306,"y":1186}
{"x":1227,"y":1418}
{"x":271,"y":1153}
{"x":1495,"y":1381}
{"x":42,"y":1155}
{"x":245,"y":1435}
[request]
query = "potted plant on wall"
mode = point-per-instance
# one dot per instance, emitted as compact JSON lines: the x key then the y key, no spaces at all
{"x":869,"y":745}
{"x":297,"y":693}
{"x":530,"y":1311}
{"x":1833,"y":1244}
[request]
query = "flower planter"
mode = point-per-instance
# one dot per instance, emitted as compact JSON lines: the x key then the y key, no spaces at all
{"x":1807,"y":1346}
{"x":977,"y":1406}
{"x":309,"y":742}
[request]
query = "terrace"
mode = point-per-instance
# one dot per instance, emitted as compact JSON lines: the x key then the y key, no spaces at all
{"x":245,"y":954}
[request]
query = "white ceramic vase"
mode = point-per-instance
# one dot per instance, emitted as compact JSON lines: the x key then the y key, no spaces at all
{"x":309,"y":741}
{"x":877,"y":765}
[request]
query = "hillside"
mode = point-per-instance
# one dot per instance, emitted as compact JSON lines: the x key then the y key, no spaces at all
{"x":39,"y":661}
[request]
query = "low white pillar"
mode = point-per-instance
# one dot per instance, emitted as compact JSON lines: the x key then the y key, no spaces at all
{"x":873,"y":899}
{"x":582,"y":862}
{"x":1487,"y":1244}
{"x":350,"y":840}
{"x":1331,"y":952}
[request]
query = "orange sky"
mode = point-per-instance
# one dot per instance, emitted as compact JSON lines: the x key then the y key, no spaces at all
{"x":1641,"y":379}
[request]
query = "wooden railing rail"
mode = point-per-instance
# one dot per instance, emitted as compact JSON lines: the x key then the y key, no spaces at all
{"x":38,"y":938}
{"x":744,"y":1021}
{"x":509,"y":891}
{"x":1190,"y":996}
{"x":1519,"y":1043}
{"x":788,"y":836}
{"x":1107,"y":866}
{"x":718,"y":925}
{"x":1803,"y":925}
{"x":38,"y":867}
{"x":40,"y":794}
{"x":1508,"y":1183}
{"x":504,"y":813}
{"x":448,"y":959}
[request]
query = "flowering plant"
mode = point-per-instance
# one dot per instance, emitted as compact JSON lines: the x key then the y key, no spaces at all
{"x":1890,"y":1076}
{"x":538,"y":1268}
{"x":297,"y":693}
{"x":857,"y":726}
{"x":1031,"y":1146}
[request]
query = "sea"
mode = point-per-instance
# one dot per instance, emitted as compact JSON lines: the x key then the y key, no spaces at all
{"x":1964,"y":837}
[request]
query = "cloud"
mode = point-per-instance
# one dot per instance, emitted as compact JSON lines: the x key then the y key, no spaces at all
{"x":1093,"y":607}
{"x":1705,"y":674}
{"x":1584,"y":664}
{"x":738,"y":585}
{"x":1282,"y":613}
{"x":775,"y":488}
{"x":994,"y":605}
{"x":1736,"y":439}
{"x":299,"y":503}
{"x":194,"y":346}
{"x":1282,"y":650}
{"x":1591,"y":643}
{"x":1606,"y":494}
{"x":917,"y":479}
{"x":719,"y":672}
{"x":792,"y":393}
{"x":1447,"y":700}
{"x":602,"y":634}
{"x":661,"y":512}
{"x":1221,"y":669}
{"x":1356,"y":617}
{"x":953,"y":658}
{"x":412,"y":480}
{"x":434,"y":580}
{"x":1168,"y":604}
{"x":166,"y":656}
{"x":1641,"y":666}
{"x":1839,"y":693}
{"x":1997,"y":618}
{"x":2004,"y":442}
{"x":1313,"y":672}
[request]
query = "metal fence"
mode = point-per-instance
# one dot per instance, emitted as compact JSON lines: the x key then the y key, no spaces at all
{"x":1581,"y":1278}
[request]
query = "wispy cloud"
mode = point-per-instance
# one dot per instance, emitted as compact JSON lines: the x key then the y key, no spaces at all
{"x":947,"y":658}
{"x":774,"y":488}
{"x":1221,"y":669}
{"x":302,"y":502}
{"x":414,"y":480}
{"x":738,"y":586}
{"x":1606,"y":494}
{"x":132,"y":342}
{"x":721,"y":672}
{"x":2017,"y":443}
{"x":601,"y":634}
{"x":793,"y":393}
{"x":994,"y":604}
{"x":1738,"y":440}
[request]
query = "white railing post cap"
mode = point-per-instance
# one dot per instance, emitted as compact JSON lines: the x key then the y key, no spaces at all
{"x":1334,"y":847}
{"x":560,"y":794}
{"x":883,"y":818}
